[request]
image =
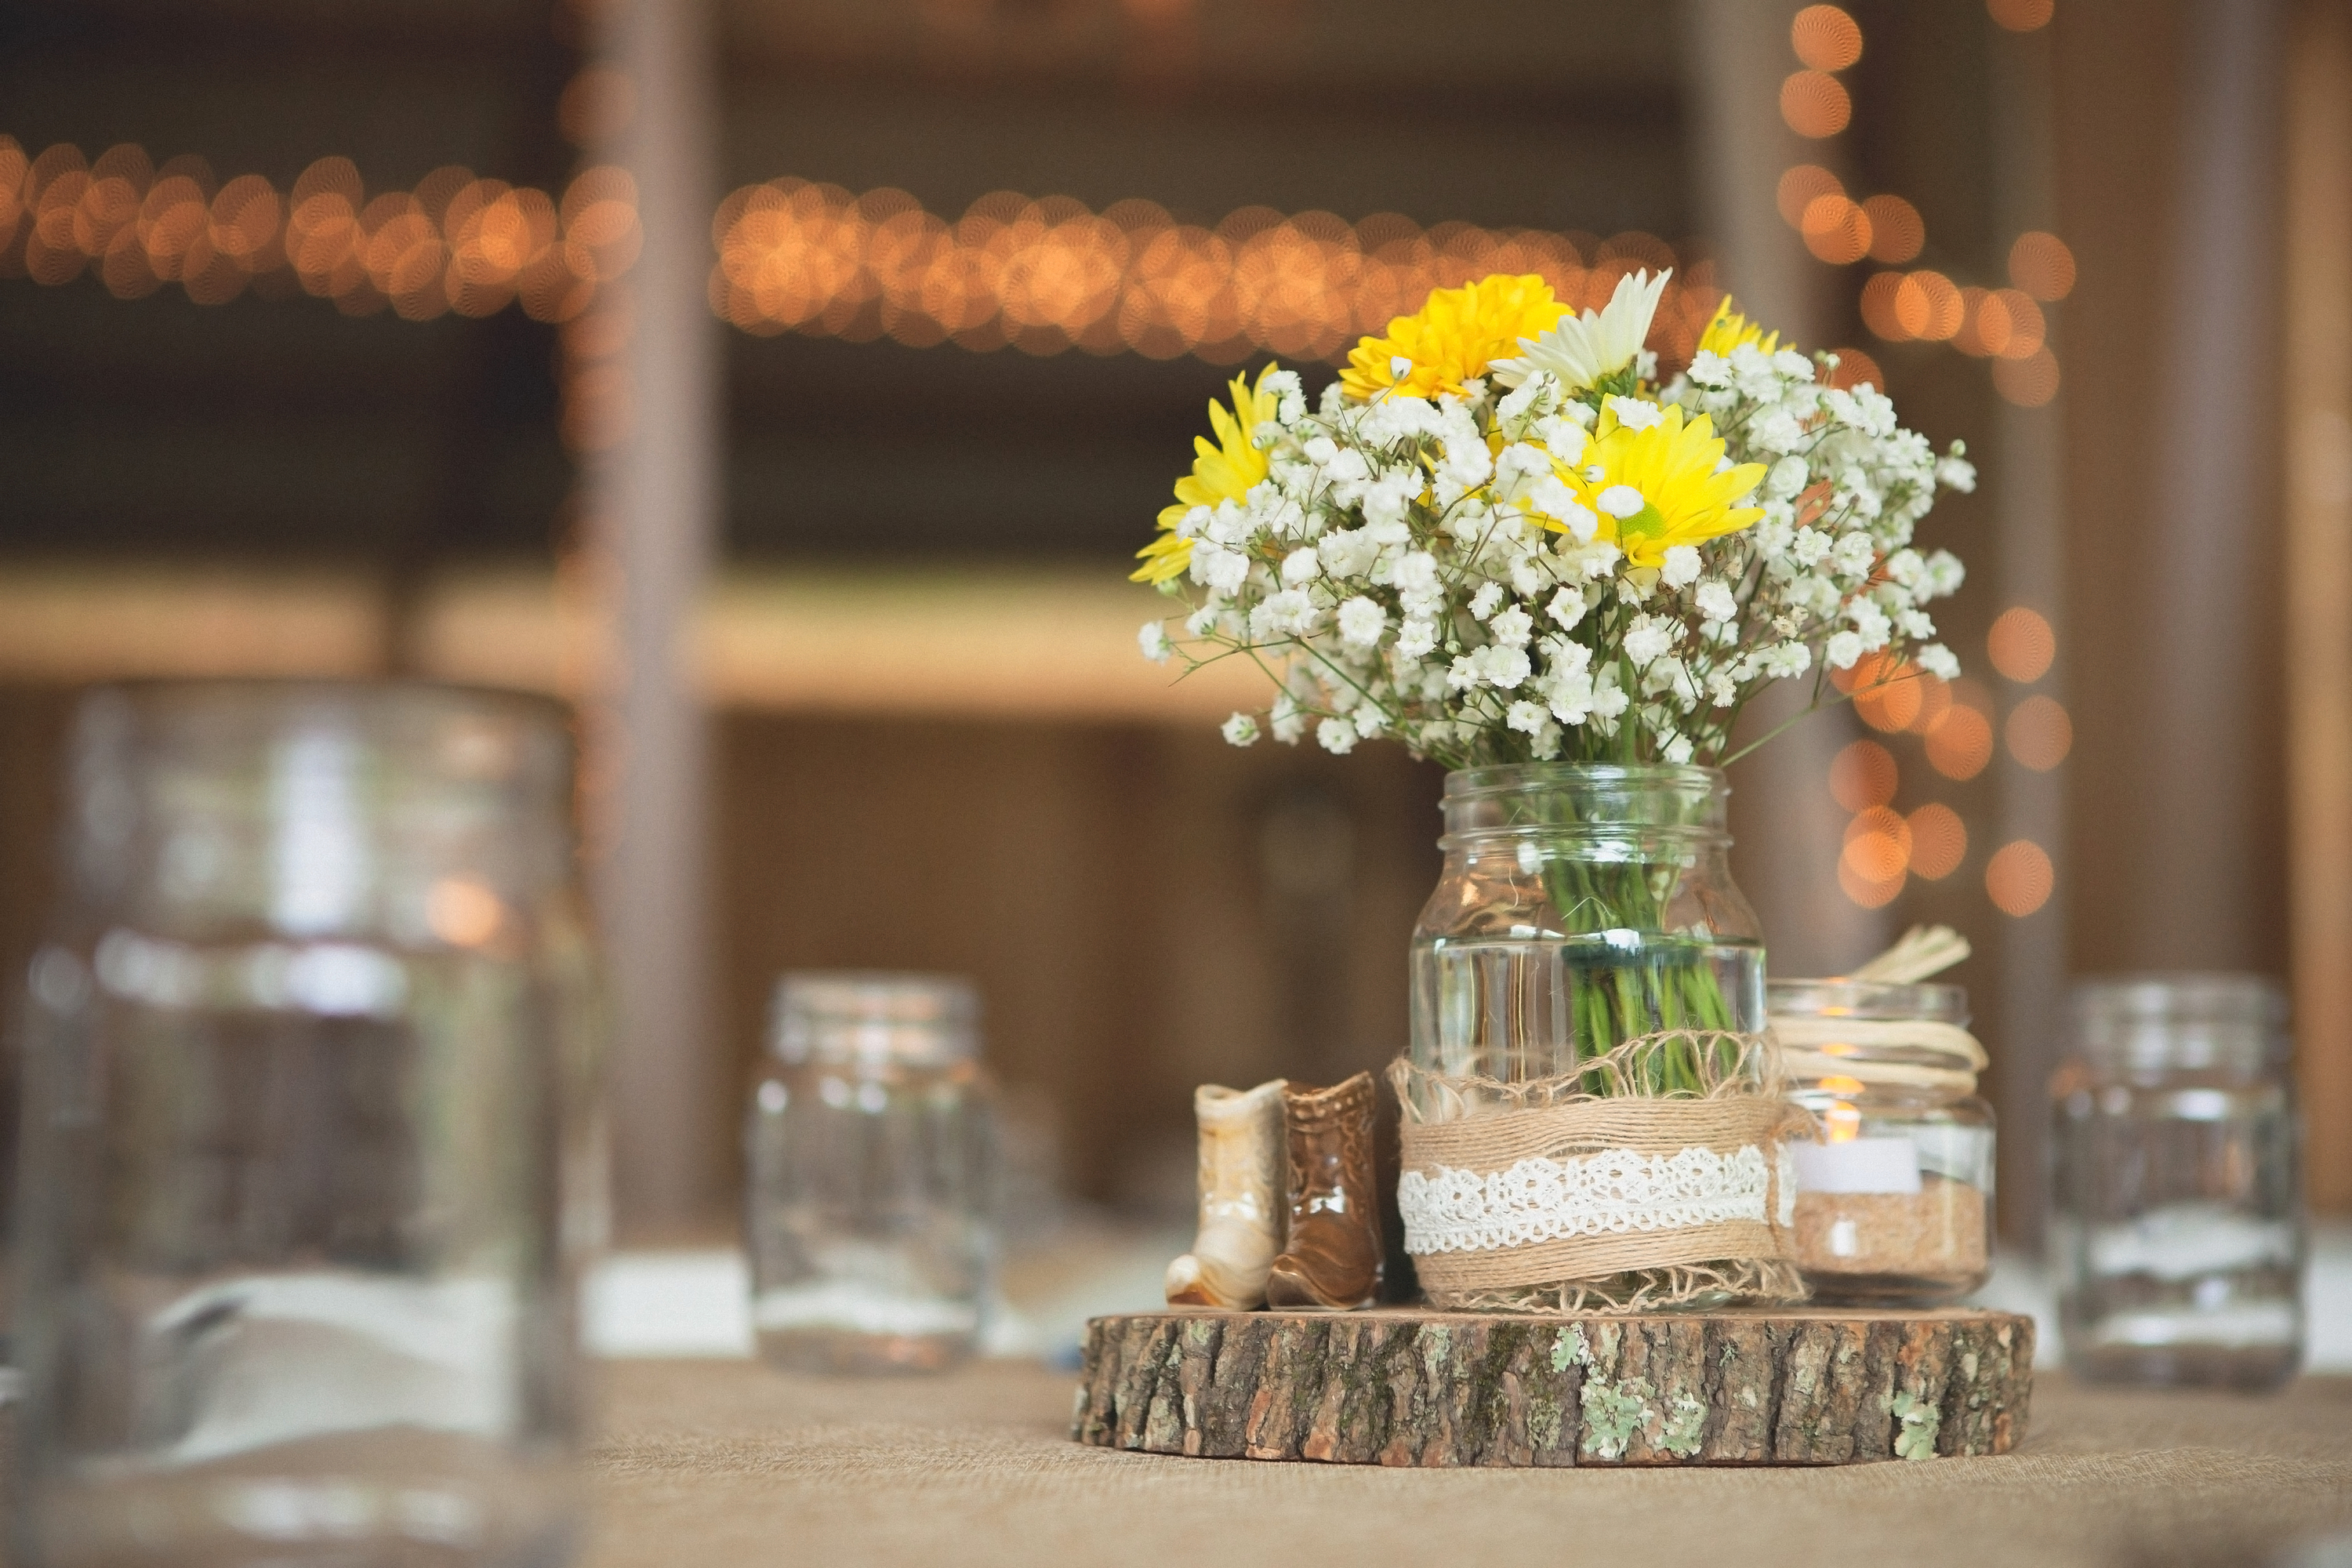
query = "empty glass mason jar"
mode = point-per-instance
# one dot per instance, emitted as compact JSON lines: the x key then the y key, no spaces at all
{"x":311,"y":1142}
{"x":872,"y":1208}
{"x":1894,"y":1204}
{"x":2179,"y":1230}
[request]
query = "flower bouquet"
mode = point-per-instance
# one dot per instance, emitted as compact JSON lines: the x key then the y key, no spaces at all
{"x":1500,"y":539}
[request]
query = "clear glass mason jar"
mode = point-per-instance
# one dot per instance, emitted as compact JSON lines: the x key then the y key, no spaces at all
{"x":872,"y":1205}
{"x":2179,"y":1230}
{"x":1582,"y":905}
{"x":311,"y":1143}
{"x":1895,"y":1206}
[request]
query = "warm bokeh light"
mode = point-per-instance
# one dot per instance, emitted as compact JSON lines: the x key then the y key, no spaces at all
{"x":1935,"y":701}
{"x":1800,"y":186}
{"x":2039,"y":733}
{"x":1961,"y":746}
{"x":2029,"y":383}
{"x":463,"y":912}
{"x":2021,"y":645}
{"x":1854,"y":367}
{"x":1815,"y":104}
{"x":1928,"y":305}
{"x":2041,"y":265}
{"x":1869,"y":894}
{"x":1878,"y":844}
{"x":1878,"y":312}
{"x":1836,"y":230}
{"x":1885,"y":692}
{"x":1939,"y":841}
{"x":2019,"y":878}
{"x":1826,"y":37}
{"x":1045,"y":275}
{"x":1897,"y":231}
{"x":1999,"y":323}
{"x":455,"y":242}
{"x":2021,"y":16}
{"x":1864,"y":774}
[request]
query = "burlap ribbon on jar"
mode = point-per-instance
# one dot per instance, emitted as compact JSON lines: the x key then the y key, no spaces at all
{"x":1592,"y":1190}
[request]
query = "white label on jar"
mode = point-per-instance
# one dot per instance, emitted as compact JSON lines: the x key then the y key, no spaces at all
{"x":1858,"y":1165}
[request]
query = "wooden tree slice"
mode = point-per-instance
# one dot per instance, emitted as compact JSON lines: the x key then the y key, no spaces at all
{"x":1402,"y":1385}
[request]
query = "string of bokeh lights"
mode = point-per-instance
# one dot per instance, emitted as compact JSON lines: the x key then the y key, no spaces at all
{"x":2007,"y":326}
{"x":456,"y":243}
{"x":1955,"y":720}
{"x":1883,"y":847}
{"x":1038,"y":275}
{"x":1045,"y":275}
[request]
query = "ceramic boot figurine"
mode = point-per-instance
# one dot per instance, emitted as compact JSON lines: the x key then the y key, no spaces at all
{"x":1241,"y":1198}
{"x":1333,"y":1258}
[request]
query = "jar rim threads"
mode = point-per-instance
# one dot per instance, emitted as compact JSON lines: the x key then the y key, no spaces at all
{"x":2184,"y":1022}
{"x":874,"y":1018}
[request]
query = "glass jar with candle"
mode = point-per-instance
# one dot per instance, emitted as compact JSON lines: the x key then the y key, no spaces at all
{"x":2178,"y":1231}
{"x":872,"y":1213}
{"x":1895,"y":1204}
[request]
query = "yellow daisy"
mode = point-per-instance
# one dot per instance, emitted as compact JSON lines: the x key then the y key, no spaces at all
{"x":1454,"y":336}
{"x":1729,"y":328}
{"x":1224,"y":471}
{"x":1657,"y":485}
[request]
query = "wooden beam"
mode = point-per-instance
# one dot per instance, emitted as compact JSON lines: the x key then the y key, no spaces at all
{"x":1052,"y":643}
{"x":2318,"y":361}
{"x":653,"y":528}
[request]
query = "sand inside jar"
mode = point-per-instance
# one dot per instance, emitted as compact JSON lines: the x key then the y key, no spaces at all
{"x":1937,"y":1233}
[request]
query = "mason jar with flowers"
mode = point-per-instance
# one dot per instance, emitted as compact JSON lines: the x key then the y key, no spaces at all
{"x":1503,"y":540}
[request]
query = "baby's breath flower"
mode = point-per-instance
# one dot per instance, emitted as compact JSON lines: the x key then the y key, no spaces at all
{"x":1445,"y":559}
{"x":1362,"y":621}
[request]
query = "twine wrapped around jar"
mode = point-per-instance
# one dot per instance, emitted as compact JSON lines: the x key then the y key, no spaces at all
{"x":1585,"y":1192}
{"x":1940,"y":1056}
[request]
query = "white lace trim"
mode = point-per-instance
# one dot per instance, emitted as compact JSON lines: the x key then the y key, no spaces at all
{"x":1611,"y":1192}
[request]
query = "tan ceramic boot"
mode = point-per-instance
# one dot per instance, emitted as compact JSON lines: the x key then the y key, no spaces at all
{"x":1333,"y":1258}
{"x":1241,"y":1198}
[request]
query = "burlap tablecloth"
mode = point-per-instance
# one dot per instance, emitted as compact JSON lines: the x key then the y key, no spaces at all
{"x":711,"y":1464}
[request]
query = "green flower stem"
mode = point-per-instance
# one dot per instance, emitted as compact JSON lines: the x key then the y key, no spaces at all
{"x":1666,"y":983}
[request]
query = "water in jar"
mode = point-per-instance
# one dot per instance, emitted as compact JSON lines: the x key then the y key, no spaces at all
{"x":871,"y":1209}
{"x":294,"y":1286}
{"x":1515,"y":1009}
{"x":2177,"y":1232}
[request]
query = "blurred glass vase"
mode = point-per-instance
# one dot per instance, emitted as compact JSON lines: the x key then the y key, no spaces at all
{"x":311,"y":1141}
{"x":871,"y":1212}
{"x":2179,"y":1226}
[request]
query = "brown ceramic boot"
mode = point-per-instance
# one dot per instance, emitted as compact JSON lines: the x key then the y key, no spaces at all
{"x":1333,"y":1259}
